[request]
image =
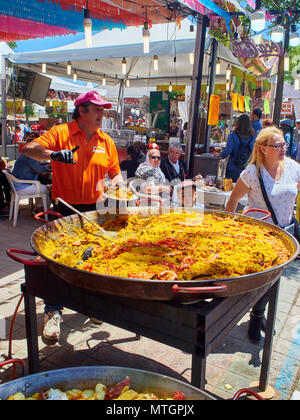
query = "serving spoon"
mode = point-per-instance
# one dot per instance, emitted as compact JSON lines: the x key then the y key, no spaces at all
{"x":111,"y":236}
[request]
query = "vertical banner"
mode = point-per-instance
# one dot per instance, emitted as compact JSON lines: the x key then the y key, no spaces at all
{"x":241,"y":101}
{"x":234,"y":100}
{"x":267,"y":110}
{"x":247,"y":104}
{"x":214,"y":109}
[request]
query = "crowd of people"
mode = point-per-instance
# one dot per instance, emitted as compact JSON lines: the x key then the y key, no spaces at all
{"x":81,"y":155}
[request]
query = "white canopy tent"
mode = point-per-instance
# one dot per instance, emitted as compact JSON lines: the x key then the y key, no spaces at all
{"x":172,"y":46}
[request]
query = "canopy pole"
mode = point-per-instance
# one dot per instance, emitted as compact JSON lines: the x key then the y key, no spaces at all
{"x":3,"y":104}
{"x":203,"y":23}
{"x":212,"y":77}
{"x":280,"y":77}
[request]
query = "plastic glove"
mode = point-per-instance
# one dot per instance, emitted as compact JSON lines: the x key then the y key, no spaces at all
{"x":64,"y":156}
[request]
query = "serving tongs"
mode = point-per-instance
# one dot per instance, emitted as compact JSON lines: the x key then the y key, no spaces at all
{"x":110,"y":236}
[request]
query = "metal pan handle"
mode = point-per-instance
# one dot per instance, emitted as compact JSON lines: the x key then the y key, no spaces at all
{"x":248,"y":392}
{"x":259,"y":210}
{"x":39,"y":216}
{"x":218,"y":288}
{"x":11,"y":253}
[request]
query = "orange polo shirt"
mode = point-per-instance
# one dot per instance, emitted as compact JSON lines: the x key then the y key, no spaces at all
{"x":81,"y":183}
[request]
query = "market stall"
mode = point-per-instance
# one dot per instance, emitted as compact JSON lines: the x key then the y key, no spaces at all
{"x":104,"y":66}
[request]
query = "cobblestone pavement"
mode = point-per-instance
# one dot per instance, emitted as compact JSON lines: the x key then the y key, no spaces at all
{"x":232,"y":365}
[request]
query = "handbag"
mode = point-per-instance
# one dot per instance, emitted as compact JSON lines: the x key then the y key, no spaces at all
{"x":296,"y":229}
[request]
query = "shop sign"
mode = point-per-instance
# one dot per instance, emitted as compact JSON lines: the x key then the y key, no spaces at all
{"x":287,"y":108}
{"x":248,"y":49}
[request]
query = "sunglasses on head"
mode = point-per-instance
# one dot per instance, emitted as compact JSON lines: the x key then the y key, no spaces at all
{"x":155,"y":157}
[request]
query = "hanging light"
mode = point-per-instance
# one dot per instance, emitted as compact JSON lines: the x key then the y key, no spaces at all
{"x":75,"y":76}
{"x":124,"y":66}
{"x":297,"y":83}
{"x":69,"y":68}
{"x":155,"y":63}
{"x":104,"y":81}
{"x":278,"y":31}
{"x":294,"y":38}
{"x":286,"y":62}
{"x":228,"y":72}
{"x":127,"y":83}
{"x":170,"y":87}
{"x":192,"y":58}
{"x":218,"y":66}
{"x":88,"y":24}
{"x":146,"y":38}
{"x":227,"y":86}
{"x":258,"y":18}
{"x":44,"y":68}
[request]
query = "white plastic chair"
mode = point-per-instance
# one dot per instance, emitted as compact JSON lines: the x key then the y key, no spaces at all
{"x":16,"y":196}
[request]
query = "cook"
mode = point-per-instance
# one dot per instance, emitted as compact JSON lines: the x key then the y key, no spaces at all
{"x":89,"y":154}
{"x":81,"y":155}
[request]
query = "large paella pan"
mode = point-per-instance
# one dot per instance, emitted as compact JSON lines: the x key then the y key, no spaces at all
{"x":68,"y":382}
{"x":255,"y":254}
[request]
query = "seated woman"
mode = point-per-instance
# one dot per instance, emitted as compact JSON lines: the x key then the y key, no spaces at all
{"x":150,"y":172}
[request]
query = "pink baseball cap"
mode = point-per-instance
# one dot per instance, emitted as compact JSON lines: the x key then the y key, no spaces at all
{"x":92,"y":97}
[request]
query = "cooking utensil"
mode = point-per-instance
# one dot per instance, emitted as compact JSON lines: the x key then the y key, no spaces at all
{"x":104,"y":233}
{"x":158,"y":289}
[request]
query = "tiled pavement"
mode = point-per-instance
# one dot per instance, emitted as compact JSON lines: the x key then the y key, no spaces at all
{"x":231,"y":366}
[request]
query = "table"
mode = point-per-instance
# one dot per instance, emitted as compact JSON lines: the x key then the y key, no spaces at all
{"x":213,"y":199}
{"x":193,"y":328}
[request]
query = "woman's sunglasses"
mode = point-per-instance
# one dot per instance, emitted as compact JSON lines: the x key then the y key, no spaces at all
{"x":155,"y":157}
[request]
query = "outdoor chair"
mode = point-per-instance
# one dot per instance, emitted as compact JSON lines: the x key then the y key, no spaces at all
{"x":17,"y":196}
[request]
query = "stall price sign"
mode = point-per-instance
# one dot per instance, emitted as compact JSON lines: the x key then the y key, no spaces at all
{"x":287,"y":108}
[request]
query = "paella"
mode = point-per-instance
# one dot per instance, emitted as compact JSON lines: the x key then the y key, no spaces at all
{"x":119,"y":193}
{"x":171,"y":246}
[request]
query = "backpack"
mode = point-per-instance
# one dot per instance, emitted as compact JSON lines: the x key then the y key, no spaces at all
{"x":243,"y":154}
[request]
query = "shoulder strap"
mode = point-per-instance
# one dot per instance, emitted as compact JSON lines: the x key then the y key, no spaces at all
{"x":266,"y":198}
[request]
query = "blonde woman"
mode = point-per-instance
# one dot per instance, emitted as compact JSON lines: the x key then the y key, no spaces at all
{"x":281,"y":177}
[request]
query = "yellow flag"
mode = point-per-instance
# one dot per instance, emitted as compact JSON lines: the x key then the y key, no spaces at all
{"x":214,"y":109}
{"x":241,"y":100}
{"x":234,"y":100}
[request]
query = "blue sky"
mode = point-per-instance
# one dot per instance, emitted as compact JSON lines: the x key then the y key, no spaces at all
{"x":40,"y":44}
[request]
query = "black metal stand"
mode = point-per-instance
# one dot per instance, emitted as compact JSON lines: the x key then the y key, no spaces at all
{"x":203,"y":23}
{"x":194,"y":328}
